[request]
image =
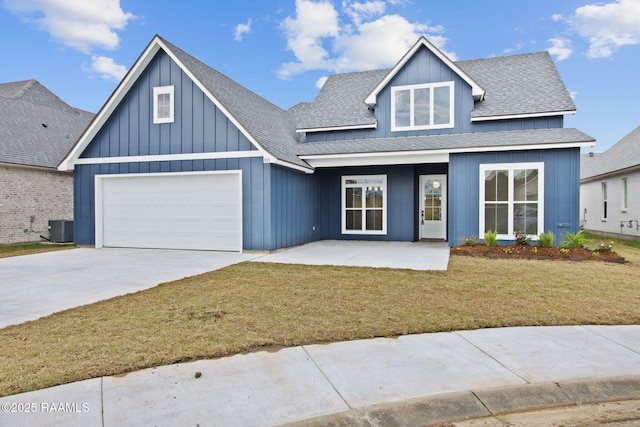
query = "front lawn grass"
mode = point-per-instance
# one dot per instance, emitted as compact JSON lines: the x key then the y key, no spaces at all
{"x":253,"y":306}
{"x":31,"y":248}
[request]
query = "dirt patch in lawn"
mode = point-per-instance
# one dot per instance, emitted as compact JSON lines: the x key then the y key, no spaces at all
{"x":536,"y":252}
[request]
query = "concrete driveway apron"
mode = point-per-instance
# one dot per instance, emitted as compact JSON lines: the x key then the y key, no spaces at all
{"x":32,"y":286}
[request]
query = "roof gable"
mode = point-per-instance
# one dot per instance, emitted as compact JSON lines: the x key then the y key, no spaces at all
{"x":269,"y":128}
{"x":477,"y":91}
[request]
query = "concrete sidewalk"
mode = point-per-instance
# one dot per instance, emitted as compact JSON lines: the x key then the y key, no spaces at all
{"x":410,"y":380}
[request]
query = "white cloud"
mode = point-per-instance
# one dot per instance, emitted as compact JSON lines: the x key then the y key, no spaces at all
{"x":608,"y":26}
{"x":107,"y":68}
{"x":556,"y":17}
{"x":560,"y":48}
{"x":314,"y":22}
{"x":361,"y":37}
{"x":321,"y":81}
{"x":79,"y":24}
{"x":241,"y":30}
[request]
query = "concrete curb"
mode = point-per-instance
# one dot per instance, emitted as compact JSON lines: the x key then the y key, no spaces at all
{"x":464,"y":405}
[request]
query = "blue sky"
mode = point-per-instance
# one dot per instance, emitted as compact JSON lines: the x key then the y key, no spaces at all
{"x":282,"y":49}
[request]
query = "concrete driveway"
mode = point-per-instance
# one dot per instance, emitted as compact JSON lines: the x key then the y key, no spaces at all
{"x":37,"y":285}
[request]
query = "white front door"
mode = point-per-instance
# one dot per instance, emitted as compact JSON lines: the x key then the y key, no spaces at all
{"x":433,"y":207}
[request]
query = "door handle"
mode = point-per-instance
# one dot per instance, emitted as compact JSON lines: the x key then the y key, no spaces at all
{"x":422,"y":214}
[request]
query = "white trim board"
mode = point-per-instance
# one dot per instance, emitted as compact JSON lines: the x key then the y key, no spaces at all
{"x":168,"y":157}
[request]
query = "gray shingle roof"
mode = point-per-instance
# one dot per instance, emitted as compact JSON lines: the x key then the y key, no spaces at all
{"x":515,"y":85}
{"x":460,"y":142}
{"x":518,"y":84}
{"x":340,"y":102}
{"x":271,"y":126}
{"x":623,"y":155}
{"x":36,"y":127}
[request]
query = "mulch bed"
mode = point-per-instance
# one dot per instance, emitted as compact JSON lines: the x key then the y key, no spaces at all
{"x":536,"y":252}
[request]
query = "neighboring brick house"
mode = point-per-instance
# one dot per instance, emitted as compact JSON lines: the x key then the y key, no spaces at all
{"x":37,"y":129}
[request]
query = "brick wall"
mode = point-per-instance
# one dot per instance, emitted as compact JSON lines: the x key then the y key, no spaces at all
{"x":26,"y":192}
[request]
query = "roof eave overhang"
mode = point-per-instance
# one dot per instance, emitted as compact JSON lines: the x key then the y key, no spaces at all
{"x":476,"y":90}
{"x":623,"y":171}
{"x":522,"y":116}
{"x":337,"y":128}
{"x":422,"y":156}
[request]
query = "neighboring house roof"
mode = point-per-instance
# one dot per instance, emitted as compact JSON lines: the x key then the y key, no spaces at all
{"x":526,"y":85}
{"x":623,"y":155}
{"x":36,"y":127}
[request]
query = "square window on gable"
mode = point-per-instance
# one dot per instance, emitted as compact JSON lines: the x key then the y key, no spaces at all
{"x":163,"y":104}
{"x":425,"y":106}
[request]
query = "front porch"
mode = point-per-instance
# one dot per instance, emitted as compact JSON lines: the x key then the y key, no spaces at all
{"x":359,"y":253}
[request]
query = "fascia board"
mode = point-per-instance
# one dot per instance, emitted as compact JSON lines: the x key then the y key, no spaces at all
{"x":334,"y":128}
{"x":420,"y":156}
{"x":522,"y":116}
{"x":476,"y":90}
{"x":112,"y":103}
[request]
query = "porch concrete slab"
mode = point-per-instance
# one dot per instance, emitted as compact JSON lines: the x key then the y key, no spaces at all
{"x":256,"y":389}
{"x":358,"y":253}
{"x":371,"y":372}
{"x":37,"y":285}
{"x":74,"y":404}
{"x":540,"y":354}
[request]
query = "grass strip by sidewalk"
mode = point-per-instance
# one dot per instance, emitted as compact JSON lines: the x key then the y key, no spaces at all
{"x":252,"y":306}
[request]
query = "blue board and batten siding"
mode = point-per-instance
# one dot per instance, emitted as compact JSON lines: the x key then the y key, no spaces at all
{"x":561,"y":189}
{"x":272,"y":196}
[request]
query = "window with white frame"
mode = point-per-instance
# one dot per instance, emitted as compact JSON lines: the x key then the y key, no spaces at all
{"x":625,"y":195}
{"x":604,"y":201}
{"x":163,"y":104}
{"x":512,"y":199}
{"x":425,"y":106}
{"x":364,"y":204}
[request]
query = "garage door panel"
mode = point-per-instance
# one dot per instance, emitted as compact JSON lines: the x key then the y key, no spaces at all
{"x":173,"y":211}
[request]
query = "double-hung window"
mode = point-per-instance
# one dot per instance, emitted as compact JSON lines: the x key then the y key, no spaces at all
{"x":364,"y":204}
{"x":425,"y":106}
{"x":163,"y":104}
{"x":511,"y":199}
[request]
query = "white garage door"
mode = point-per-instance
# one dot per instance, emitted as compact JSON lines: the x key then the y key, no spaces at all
{"x":170,"y":211}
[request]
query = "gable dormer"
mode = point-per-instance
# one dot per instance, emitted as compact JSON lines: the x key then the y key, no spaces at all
{"x":424,"y":91}
{"x":476,"y":90}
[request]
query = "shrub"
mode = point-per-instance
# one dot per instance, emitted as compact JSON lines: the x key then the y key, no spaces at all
{"x":576,"y":240}
{"x":490,"y":238}
{"x":469,"y":241}
{"x":547,"y":240}
{"x":522,"y":238}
